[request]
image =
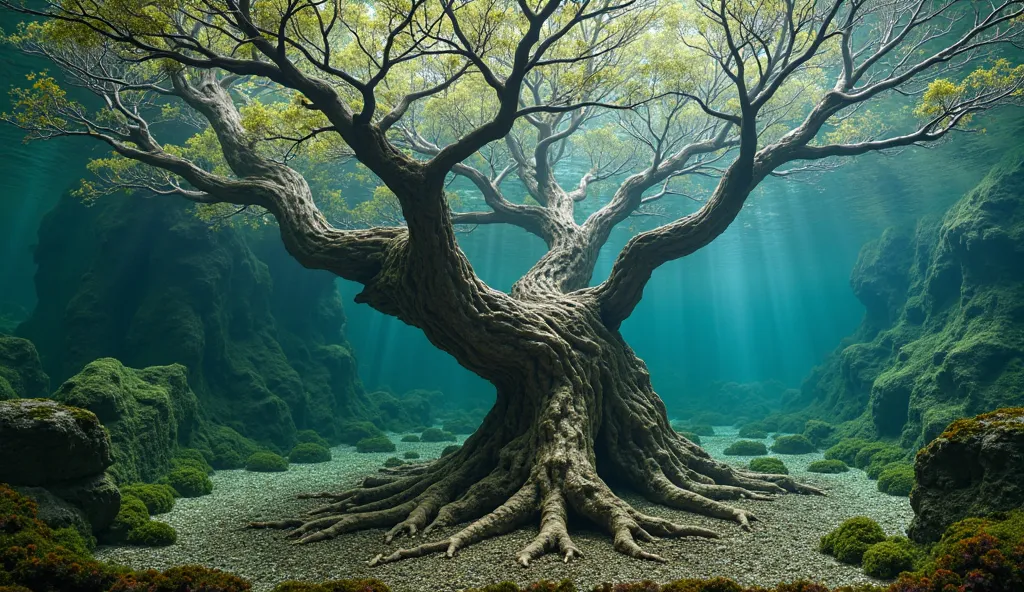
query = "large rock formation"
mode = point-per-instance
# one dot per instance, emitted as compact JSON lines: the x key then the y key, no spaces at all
{"x":146,"y":282}
{"x":974,"y":468}
{"x":58,"y":455}
{"x":21,"y":374}
{"x":943,"y":336}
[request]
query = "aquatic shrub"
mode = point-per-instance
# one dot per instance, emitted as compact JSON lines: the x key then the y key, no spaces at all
{"x":851,"y":539}
{"x":746,"y":448}
{"x":897,"y":479}
{"x":830,"y":466}
{"x":718,"y":584}
{"x":883,"y":458}
{"x":846,"y":450}
{"x":333,"y":586}
{"x":702,"y":429}
{"x":768,"y":464}
{"x":132,"y":514}
{"x":153,"y":534}
{"x":411,"y":454}
{"x":352,"y":432}
{"x":393,"y":461}
{"x":867,"y":452}
{"x":789,"y":424}
{"x":227,"y":460}
{"x":450,"y":449}
{"x":795,"y":444}
{"x":691,"y":437}
{"x":1006,"y":527}
{"x":818,"y":431}
{"x":183,"y":578}
{"x":461,"y":425}
{"x":754,"y":430}
{"x":376,"y":444}
{"x":309,"y":453}
{"x":410,"y":438}
{"x":189,"y":482}
{"x":888,"y":558}
{"x":159,"y":498}
{"x":186,"y":457}
{"x":266,"y":462}
{"x":311,"y":437}
{"x":437,"y":435}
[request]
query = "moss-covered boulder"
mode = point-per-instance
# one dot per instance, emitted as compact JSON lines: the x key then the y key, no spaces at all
{"x":973,"y":468}
{"x":43,"y":443}
{"x":148,"y":413}
{"x":21,"y":373}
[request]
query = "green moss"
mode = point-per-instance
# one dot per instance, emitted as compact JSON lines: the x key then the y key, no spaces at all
{"x":795,"y":444}
{"x":437,"y":435}
{"x":377,"y":444}
{"x":133,"y":514}
{"x":190,"y":457}
{"x":701,"y":429}
{"x":333,"y":586}
{"x":410,"y":438}
{"x":897,"y":479}
{"x":308,"y":453}
{"x":21,"y":373}
{"x":266,"y":462}
{"x":828,"y":466}
{"x":1006,"y":527}
{"x":846,"y":450}
{"x":153,"y":534}
{"x":461,"y":425}
{"x":883,"y":458}
{"x":746,"y":448}
{"x":159,"y":499}
{"x":768,"y":464}
{"x":867,"y":452}
{"x":753,"y":430}
{"x":311,"y":437}
{"x":851,"y":539}
{"x":354,"y":431}
{"x":889,"y":558}
{"x":450,"y":449}
{"x":818,"y":431}
{"x":393,"y":461}
{"x":411,"y":454}
{"x":189,"y":482}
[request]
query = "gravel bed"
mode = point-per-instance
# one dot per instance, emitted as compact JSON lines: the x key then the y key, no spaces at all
{"x":782,"y":546}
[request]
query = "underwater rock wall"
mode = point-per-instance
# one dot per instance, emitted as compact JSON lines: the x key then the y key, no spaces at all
{"x":144,"y":281}
{"x":21,"y":373}
{"x":943,"y":333}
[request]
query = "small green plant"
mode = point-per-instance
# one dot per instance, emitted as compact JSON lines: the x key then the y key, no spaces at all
{"x":131,"y":515}
{"x":883,"y":458}
{"x":410,"y":438}
{"x":153,"y":534}
{"x":437,"y":435}
{"x":393,"y":461}
{"x":354,"y":431}
{"x":753,"y":430}
{"x":818,"y":431}
{"x":794,"y":444}
{"x":189,"y":482}
{"x":746,"y":448}
{"x":310,"y":437}
{"x":266,"y":462}
{"x":375,"y":444}
{"x":691,"y":437}
{"x":702,"y":429}
{"x":450,"y":449}
{"x":853,"y":537}
{"x":897,"y":479}
{"x":190,"y":457}
{"x":309,"y":453}
{"x":867,"y":453}
{"x":411,"y":455}
{"x":830,"y":466}
{"x":846,"y":450}
{"x":159,"y":498}
{"x":889,"y":558}
{"x":768,"y":464}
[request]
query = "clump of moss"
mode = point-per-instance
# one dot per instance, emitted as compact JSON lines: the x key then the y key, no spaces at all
{"x":333,"y":586}
{"x":768,"y":464}
{"x":887,"y":559}
{"x":830,"y":466}
{"x":354,"y":431}
{"x":897,"y":479}
{"x":311,"y":437}
{"x":867,"y":452}
{"x":266,"y":462}
{"x":133,"y":514}
{"x":450,"y":449}
{"x":711,"y":418}
{"x":851,"y":540}
{"x":411,"y":455}
{"x":746,"y":448}
{"x":1006,"y":527}
{"x":182,"y":578}
{"x":190,"y":457}
{"x":691,"y":437}
{"x":189,"y":482}
{"x":702,"y":429}
{"x":460,"y":425}
{"x":410,"y":438}
{"x":846,"y":450}
{"x":309,"y":453}
{"x":153,"y":534}
{"x":795,"y":444}
{"x":882,"y":459}
{"x":437,"y":435}
{"x":753,"y":430}
{"x":818,"y":431}
{"x":376,"y":444}
{"x":159,"y":498}
{"x":393,"y":461}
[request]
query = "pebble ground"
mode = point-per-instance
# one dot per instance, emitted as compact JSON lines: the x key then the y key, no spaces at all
{"x":781,"y":547}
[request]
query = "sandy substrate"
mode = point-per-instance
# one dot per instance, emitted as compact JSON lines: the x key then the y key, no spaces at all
{"x":782,"y":546}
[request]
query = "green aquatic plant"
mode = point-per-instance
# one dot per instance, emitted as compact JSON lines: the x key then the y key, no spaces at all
{"x":794,"y":444}
{"x":701,"y":429}
{"x":266,"y":462}
{"x":828,"y":466}
{"x":437,"y":435}
{"x":153,"y":534}
{"x":754,"y":430}
{"x":864,"y":456}
{"x":410,"y":454}
{"x":888,"y":558}
{"x":191,"y":457}
{"x":189,"y":482}
{"x":353,"y":431}
{"x":897,"y":479}
{"x":450,"y":449}
{"x":393,"y":461}
{"x":851,"y":539}
{"x":132,"y":514}
{"x":461,"y":425}
{"x":691,"y":437}
{"x":818,"y":431}
{"x":376,"y":444}
{"x":769,"y":465}
{"x":159,"y":498}
{"x":311,"y":437}
{"x":333,"y":586}
{"x":746,"y":448}
{"x":309,"y":453}
{"x":410,"y":438}
{"x":846,"y":450}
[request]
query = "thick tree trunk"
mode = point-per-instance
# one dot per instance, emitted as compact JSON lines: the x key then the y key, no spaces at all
{"x":572,"y":396}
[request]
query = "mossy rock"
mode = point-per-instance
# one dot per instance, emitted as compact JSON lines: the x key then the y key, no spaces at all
{"x":393,"y":461}
{"x":818,"y":431}
{"x":311,"y":437}
{"x":189,"y":482}
{"x":309,"y":453}
{"x":334,"y":586}
{"x":793,"y":444}
{"x":410,"y":455}
{"x":450,"y":450}
{"x":190,"y":457}
{"x":21,"y":373}
{"x":376,"y":444}
{"x":266,"y":462}
{"x":437,"y":435}
{"x":867,"y":453}
{"x":846,"y":450}
{"x":888,"y":558}
{"x":851,"y":539}
{"x":410,"y":438}
{"x":769,"y":465}
{"x":746,"y":448}
{"x":461,"y":425}
{"x":897,"y":479}
{"x":153,"y":534}
{"x":354,"y":431}
{"x":755,"y":431}
{"x":701,"y":429}
{"x":133,"y":514}
{"x":691,"y":437}
{"x":159,"y":498}
{"x":828,"y":466}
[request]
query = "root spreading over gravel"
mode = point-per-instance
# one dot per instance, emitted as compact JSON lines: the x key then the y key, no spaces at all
{"x":782,"y":546}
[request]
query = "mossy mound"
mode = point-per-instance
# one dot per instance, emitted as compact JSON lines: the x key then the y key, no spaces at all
{"x":851,"y":539}
{"x":354,"y":431}
{"x":266,"y":462}
{"x":311,"y":437}
{"x":793,"y":444}
{"x":450,"y":449}
{"x":437,"y":435}
{"x":828,"y":466}
{"x":691,"y":437}
{"x":21,"y":373}
{"x":461,"y":425}
{"x":410,"y":454}
{"x":410,"y":438}
{"x":768,"y":464}
{"x":746,"y":448}
{"x":755,"y":431}
{"x":701,"y":429}
{"x":309,"y":453}
{"x":133,"y":514}
{"x":393,"y":461}
{"x":889,"y":558}
{"x":378,"y":444}
{"x":897,"y":479}
{"x":818,"y":431}
{"x":403,"y":413}
{"x":153,"y":534}
{"x":158,"y":498}
{"x":846,"y":450}
{"x":188,"y":482}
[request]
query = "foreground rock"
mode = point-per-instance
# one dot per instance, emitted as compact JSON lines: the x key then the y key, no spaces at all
{"x":58,"y":455}
{"x":975,"y":468}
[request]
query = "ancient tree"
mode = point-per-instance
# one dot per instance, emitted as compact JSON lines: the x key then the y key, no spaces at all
{"x":510,"y":97}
